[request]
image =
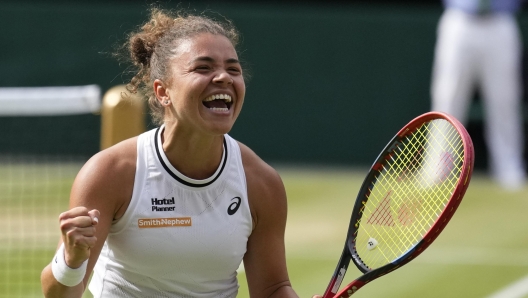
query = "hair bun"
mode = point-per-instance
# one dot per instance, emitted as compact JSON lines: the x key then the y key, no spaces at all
{"x":141,"y":50}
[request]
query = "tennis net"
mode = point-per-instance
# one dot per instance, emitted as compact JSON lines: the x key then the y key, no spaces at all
{"x":46,"y":134}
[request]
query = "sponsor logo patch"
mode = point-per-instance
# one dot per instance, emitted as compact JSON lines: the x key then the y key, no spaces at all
{"x":233,"y":207}
{"x":161,"y":204}
{"x":144,"y":223}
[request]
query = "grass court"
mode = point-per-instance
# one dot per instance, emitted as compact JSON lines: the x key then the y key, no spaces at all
{"x":482,"y":251}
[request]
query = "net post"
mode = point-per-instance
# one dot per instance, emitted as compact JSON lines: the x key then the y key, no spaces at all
{"x":122,"y":117}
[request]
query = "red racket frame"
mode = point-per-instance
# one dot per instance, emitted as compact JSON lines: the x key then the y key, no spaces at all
{"x":349,"y":251}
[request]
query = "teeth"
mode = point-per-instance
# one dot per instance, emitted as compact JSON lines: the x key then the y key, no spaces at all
{"x":226,"y":98}
{"x":219,"y":109}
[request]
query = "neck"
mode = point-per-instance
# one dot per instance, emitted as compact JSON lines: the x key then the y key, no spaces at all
{"x":195,"y":156}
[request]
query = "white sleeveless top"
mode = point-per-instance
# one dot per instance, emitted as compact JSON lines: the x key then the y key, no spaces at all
{"x":179,"y":237}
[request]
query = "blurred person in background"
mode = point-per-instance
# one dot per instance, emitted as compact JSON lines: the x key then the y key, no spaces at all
{"x":479,"y":46}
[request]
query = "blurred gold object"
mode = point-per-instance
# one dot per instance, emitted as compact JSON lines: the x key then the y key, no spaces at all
{"x":122,"y":116}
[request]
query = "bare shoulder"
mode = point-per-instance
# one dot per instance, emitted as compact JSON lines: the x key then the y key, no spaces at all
{"x":259,"y":174}
{"x":107,"y":179}
{"x":116,"y":159}
{"x":266,"y":191}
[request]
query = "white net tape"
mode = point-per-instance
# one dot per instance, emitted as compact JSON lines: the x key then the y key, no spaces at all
{"x":42,"y":101}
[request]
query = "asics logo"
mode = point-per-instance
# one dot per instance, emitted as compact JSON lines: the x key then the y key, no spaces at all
{"x":233,"y":207}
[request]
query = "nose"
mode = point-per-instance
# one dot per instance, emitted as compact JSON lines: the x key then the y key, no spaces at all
{"x":223,"y":78}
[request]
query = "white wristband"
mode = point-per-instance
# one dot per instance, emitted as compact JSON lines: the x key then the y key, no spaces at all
{"x":64,"y":274}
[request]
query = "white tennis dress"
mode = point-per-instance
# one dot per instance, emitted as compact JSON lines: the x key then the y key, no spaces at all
{"x":179,"y":237}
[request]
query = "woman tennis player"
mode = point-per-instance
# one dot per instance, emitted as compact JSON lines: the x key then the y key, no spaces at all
{"x":174,"y":211}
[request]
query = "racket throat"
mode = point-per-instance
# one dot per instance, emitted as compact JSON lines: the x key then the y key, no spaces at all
{"x":335,"y":284}
{"x":339,"y":274}
{"x":339,"y":279}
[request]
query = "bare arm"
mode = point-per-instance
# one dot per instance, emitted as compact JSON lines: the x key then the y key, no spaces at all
{"x":265,"y":259}
{"x":102,"y":190}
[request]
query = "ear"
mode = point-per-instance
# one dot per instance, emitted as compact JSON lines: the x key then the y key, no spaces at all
{"x":161,"y":92}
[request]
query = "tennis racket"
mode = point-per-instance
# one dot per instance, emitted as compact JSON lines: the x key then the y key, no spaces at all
{"x":409,"y":195}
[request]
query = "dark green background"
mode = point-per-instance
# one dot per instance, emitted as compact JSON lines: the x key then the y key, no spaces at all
{"x":331,"y":82}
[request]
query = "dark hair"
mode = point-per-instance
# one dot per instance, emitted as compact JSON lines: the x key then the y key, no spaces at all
{"x":150,"y":48}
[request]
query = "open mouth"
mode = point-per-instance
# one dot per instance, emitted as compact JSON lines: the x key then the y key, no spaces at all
{"x":218,"y":102}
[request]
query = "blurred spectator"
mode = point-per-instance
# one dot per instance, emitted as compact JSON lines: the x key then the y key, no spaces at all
{"x":479,"y":45}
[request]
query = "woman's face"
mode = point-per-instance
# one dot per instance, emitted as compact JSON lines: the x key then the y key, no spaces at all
{"x":205,"y":85}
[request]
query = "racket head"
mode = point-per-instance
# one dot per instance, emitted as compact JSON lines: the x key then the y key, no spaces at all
{"x":409,"y":195}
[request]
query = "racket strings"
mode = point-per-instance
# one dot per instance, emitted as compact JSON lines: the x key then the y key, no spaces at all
{"x":406,"y":233}
{"x":410,"y":192}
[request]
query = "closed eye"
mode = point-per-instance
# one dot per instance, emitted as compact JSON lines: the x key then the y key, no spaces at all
{"x":202,"y":68}
{"x":234,"y":70}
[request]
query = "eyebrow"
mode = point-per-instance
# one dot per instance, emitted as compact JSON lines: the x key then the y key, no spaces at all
{"x":211,"y":60}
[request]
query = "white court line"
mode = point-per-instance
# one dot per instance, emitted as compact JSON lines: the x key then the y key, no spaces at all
{"x":517,"y":289}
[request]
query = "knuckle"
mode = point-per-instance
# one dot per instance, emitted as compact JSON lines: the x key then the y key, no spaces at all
{"x":70,"y":233}
{"x":65,"y":226}
{"x":63,"y":216}
{"x":73,"y":233}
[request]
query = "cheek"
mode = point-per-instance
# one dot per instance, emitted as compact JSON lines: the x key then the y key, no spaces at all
{"x":240,"y":90}
{"x":183,"y":96}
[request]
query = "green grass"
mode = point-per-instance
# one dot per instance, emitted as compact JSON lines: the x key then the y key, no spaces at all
{"x":483,"y":249}
{"x":32,"y":194}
